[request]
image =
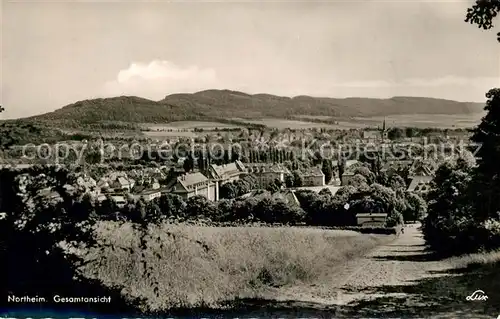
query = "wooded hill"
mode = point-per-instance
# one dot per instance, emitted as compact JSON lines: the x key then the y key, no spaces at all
{"x":225,"y":105}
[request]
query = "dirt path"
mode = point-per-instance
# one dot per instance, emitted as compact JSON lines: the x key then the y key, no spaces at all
{"x":399,"y":263}
{"x":396,"y":279}
{"x":396,"y":263}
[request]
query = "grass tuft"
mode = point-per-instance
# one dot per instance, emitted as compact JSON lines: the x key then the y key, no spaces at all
{"x":188,"y":266}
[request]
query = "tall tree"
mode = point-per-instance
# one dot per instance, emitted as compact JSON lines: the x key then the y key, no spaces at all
{"x":486,"y":182}
{"x":188,"y":163}
{"x":326,"y":168}
{"x":298,"y":181}
{"x":341,"y":167}
{"x":395,"y":133}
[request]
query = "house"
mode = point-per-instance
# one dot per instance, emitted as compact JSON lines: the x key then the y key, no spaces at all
{"x":103,"y":185}
{"x":267,"y":173}
{"x":193,"y":184}
{"x":422,"y":167}
{"x":346,"y":177}
{"x":226,"y":173}
{"x":147,"y":194}
{"x":372,"y":135}
{"x":101,"y":198}
{"x":123,"y":183}
{"x":371,"y":219}
{"x":120,"y":200}
{"x":313,"y":177}
{"x":420,"y":184}
{"x":394,"y":166}
{"x":350,"y":163}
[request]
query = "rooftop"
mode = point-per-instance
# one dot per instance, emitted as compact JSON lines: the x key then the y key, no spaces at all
{"x":313,"y":171}
{"x":371,"y":215}
{"x":191,"y":179}
{"x":230,"y":168}
{"x":419,"y":180}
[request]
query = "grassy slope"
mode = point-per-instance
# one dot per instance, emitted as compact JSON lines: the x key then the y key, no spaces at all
{"x":224,"y":104}
{"x":208,"y":266}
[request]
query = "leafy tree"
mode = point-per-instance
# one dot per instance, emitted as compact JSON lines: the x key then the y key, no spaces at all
{"x":289,"y":180}
{"x":396,"y":182}
{"x":483,"y":13}
{"x":137,"y":211}
{"x":416,"y":207}
{"x":188,"y":164}
{"x":33,"y":228}
{"x":324,"y":191}
{"x":486,"y":184}
{"x":358,"y":181}
{"x":294,"y":180}
{"x":345,"y":194}
{"x":225,"y":210}
{"x":465,"y":160}
{"x":366,"y":173}
{"x":298,"y":181}
{"x":202,"y":162}
{"x":200,"y":206}
{"x":411,"y":132}
{"x":263,"y":211}
{"x":246,"y":184}
{"x":313,"y":205}
{"x":326,"y":168}
{"x":395,"y":133}
{"x":341,"y":167}
{"x":275,"y":186}
{"x":449,"y":216}
{"x":171,"y":205}
{"x":394,"y":218}
{"x":384,"y":197}
{"x":229,"y":191}
{"x":244,"y":209}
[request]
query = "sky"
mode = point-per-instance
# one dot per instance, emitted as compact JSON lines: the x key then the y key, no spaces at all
{"x":54,"y":53}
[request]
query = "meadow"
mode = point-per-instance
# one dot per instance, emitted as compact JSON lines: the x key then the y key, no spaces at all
{"x":292,"y":124}
{"x":408,"y":120}
{"x":185,"y":128}
{"x":166,"y":134}
{"x":188,"y":125}
{"x":425,"y":120}
{"x":197,"y":266}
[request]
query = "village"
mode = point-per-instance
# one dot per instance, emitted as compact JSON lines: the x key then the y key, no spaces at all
{"x":273,"y":161}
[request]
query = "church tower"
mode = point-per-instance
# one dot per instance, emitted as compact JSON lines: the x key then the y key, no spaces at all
{"x":383,"y":132}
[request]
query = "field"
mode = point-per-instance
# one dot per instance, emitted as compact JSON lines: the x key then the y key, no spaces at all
{"x":412,"y":120}
{"x":187,"y":128}
{"x":166,"y":134}
{"x":194,"y":266}
{"x":188,"y":125}
{"x":297,"y":124}
{"x":424,"y":120}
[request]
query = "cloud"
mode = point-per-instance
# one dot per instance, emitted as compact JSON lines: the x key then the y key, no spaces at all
{"x":158,"y":78}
